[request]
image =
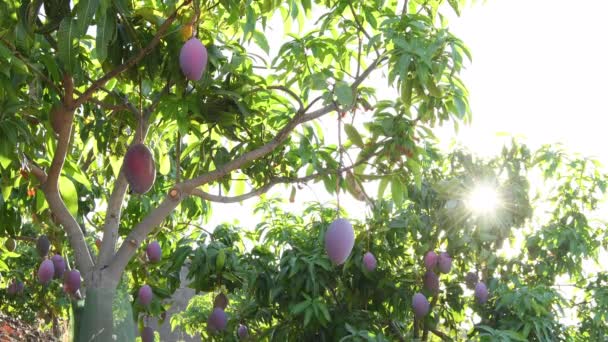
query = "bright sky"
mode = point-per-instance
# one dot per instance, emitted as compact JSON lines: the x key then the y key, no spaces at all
{"x":537,"y":73}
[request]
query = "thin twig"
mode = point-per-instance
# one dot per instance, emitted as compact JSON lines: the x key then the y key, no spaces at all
{"x":131,"y":62}
{"x":292,"y":94}
{"x":361,"y":29}
{"x":279,"y":180}
{"x":178,"y":152}
{"x":441,"y":335}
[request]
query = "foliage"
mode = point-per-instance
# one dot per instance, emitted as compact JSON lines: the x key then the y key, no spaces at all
{"x":288,"y":288}
{"x":82,"y":81}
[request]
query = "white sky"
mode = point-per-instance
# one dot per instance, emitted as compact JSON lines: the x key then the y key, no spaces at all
{"x":538,"y":73}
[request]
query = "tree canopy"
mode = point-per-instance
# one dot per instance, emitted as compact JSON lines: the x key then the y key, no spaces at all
{"x":86,"y":83}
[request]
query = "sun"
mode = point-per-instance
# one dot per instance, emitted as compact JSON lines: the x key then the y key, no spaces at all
{"x":483,"y":200}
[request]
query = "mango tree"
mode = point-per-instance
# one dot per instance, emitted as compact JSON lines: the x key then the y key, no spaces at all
{"x":121,"y":120}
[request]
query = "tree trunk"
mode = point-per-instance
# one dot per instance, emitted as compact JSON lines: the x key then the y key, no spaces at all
{"x":106,"y":316}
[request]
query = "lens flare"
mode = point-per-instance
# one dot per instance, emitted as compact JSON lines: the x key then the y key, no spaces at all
{"x":483,"y":200}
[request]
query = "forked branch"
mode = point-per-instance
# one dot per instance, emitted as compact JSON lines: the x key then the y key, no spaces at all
{"x":113,"y":212}
{"x":185,"y":188}
{"x":49,"y":186}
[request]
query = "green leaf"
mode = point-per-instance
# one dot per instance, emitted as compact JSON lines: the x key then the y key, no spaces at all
{"x":307,"y":316}
{"x":397,"y":191}
{"x":319,"y":81}
{"x":300,"y":307}
{"x":260,"y":39}
{"x":382,"y":187}
{"x":432,"y":88}
{"x":292,"y":195}
{"x":164,"y":164}
{"x":404,"y":66}
{"x":106,"y":29}
{"x":6,"y":192}
{"x":69,"y":194}
{"x":406,"y":92}
{"x":41,"y":203}
{"x":307,"y":5}
{"x":353,"y":135}
{"x":73,"y":171}
{"x":239,"y":187}
{"x":344,"y":94}
{"x":115,"y":164}
{"x":324,"y":311}
{"x":414,"y":167}
{"x":65,"y":48}
{"x":84,"y":14}
{"x":370,"y":18}
{"x":5,"y":161}
{"x":460,"y":105}
{"x":454,"y":5}
{"x":250,"y":21}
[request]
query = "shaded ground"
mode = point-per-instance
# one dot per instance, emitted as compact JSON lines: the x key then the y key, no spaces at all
{"x":13,"y":330}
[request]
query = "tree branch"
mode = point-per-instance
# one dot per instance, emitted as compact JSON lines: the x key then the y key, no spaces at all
{"x":185,"y":188}
{"x":113,"y":212}
{"x":291,"y":93}
{"x":50,"y":188}
{"x":279,"y":180}
{"x":360,"y":25}
{"x":138,"y":234}
{"x":226,"y":199}
{"x":39,"y":173}
{"x":24,"y":238}
{"x":404,"y":10}
{"x":131,"y":62}
{"x":441,"y":335}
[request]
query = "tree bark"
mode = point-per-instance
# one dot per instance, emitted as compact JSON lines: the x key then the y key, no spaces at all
{"x":106,"y":316}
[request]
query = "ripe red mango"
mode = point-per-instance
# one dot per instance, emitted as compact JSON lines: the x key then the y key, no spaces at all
{"x":369,"y":261}
{"x":421,"y":305}
{"x":430,"y":260}
{"x":71,"y":281}
{"x":444,"y":263}
{"x":139,"y":168}
{"x":153,"y":252}
{"x":481,"y":293}
{"x":193,"y":59}
{"x":15,"y":288}
{"x":59,"y":265}
{"x":218,"y":320}
{"x":242,"y":331}
{"x":145,"y":295}
{"x":43,"y":245}
{"x":46,"y":271}
{"x":431,"y":282}
{"x":339,"y":241}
